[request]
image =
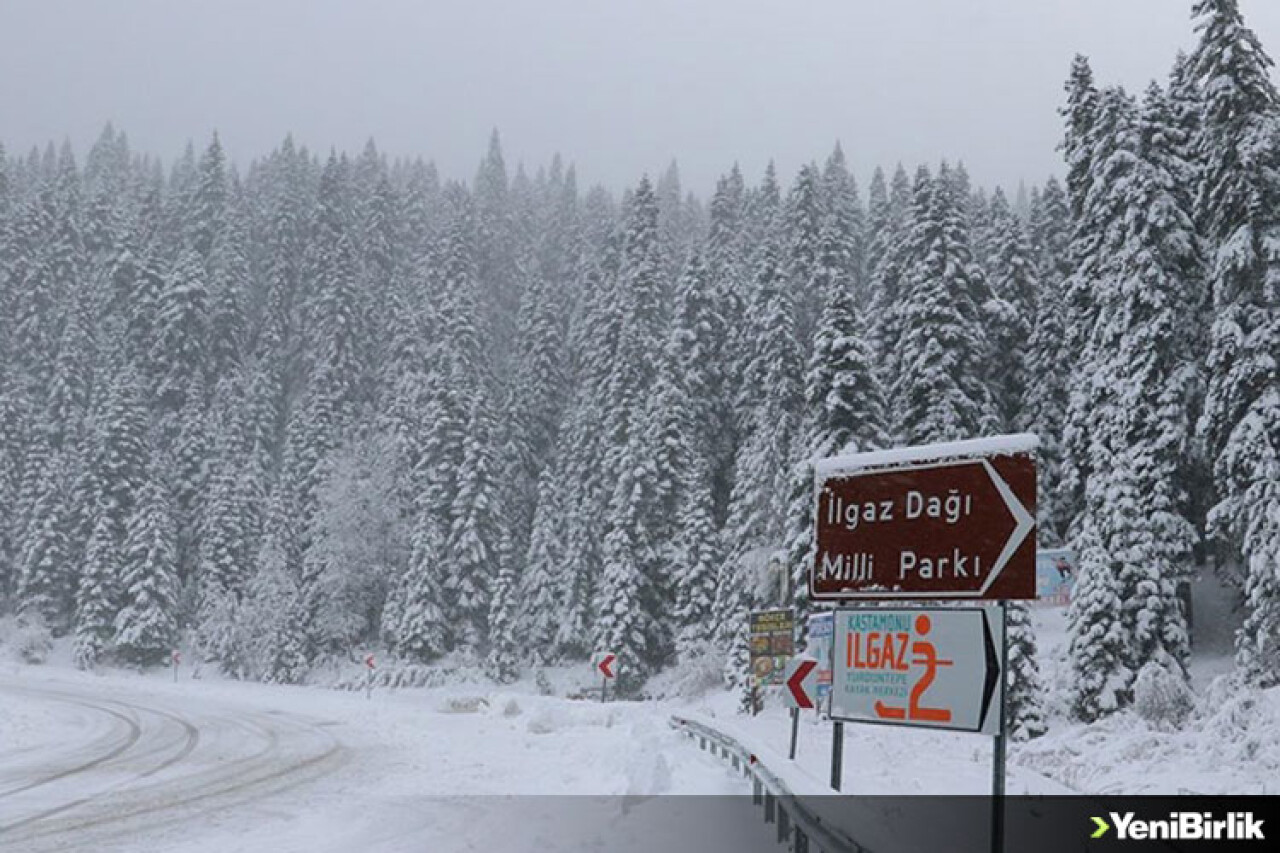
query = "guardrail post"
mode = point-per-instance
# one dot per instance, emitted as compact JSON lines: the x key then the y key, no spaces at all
{"x":784,"y":825}
{"x":757,"y":792}
{"x":769,"y":806}
{"x":802,"y":841}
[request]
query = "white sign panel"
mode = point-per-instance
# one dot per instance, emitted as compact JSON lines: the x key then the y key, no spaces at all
{"x":801,"y":684}
{"x":821,"y":628}
{"x":925,"y":667}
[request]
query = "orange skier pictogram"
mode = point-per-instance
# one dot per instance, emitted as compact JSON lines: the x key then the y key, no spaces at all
{"x":926,"y":656}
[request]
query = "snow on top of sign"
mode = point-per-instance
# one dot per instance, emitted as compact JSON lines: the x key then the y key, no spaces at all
{"x":989,"y":446}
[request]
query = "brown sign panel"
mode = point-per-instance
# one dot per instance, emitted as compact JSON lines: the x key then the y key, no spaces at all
{"x":961,"y":527}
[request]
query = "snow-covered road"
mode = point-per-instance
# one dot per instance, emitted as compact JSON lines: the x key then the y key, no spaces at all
{"x":156,"y":764}
{"x":127,"y":763}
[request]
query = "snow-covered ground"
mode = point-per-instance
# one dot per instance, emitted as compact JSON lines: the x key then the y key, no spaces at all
{"x":127,"y":762}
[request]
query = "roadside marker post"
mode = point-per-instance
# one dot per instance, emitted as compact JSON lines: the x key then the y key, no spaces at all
{"x":604,"y":663}
{"x":175,"y":659}
{"x":801,"y":686}
{"x":368,"y":678}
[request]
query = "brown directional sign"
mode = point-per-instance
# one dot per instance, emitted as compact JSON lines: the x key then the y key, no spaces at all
{"x":953,"y":523}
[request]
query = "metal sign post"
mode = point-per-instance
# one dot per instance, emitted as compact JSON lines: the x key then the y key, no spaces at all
{"x":837,"y":754}
{"x":999,"y":747}
{"x":795,"y":731}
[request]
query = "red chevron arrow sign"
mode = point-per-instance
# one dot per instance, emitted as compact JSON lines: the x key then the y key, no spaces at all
{"x":802,"y":682}
{"x":605,"y":664}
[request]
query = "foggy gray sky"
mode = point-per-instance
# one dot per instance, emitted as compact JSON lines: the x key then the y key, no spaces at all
{"x":618,"y":86}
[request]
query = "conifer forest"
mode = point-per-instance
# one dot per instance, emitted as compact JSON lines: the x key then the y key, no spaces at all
{"x":286,"y":411}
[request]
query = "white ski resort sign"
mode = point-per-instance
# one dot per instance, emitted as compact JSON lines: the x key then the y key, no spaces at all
{"x":926,"y":667}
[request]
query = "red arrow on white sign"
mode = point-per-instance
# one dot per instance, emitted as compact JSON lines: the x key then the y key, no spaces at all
{"x":802,"y":682}
{"x":606,"y":664}
{"x":368,"y":661}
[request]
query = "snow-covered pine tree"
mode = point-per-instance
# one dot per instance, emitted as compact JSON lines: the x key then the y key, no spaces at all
{"x":12,"y":427}
{"x":1097,"y":644}
{"x":1238,"y":209}
{"x":538,"y":601}
{"x":698,"y":550}
{"x":496,"y":248}
{"x":338,"y":318}
{"x":1079,"y":113}
{"x":803,"y":227}
{"x":230,"y":293}
{"x":223,"y":559}
{"x":271,"y":633}
{"x":1044,"y":403}
{"x":772,"y":397}
{"x":980,"y":215}
{"x":725,"y":255}
{"x":844,"y":412}
{"x":414,"y":620}
{"x":683,"y":421}
{"x":624,"y":618}
{"x":471,"y":552}
{"x":1009,"y":313}
{"x":1024,"y":702}
{"x":1135,"y":410}
{"x":206,"y":217}
{"x":581,"y":474}
{"x":1156,"y":357}
{"x":359,"y":541}
{"x":943,"y":386}
{"x":1112,"y":122}
{"x":46,"y":578}
{"x":67,"y":400}
{"x":98,"y":594}
{"x":629,"y":596}
{"x":538,"y":397}
{"x":146,"y":626}
{"x":887,"y":255}
{"x":502,"y":658}
{"x":845,"y":220}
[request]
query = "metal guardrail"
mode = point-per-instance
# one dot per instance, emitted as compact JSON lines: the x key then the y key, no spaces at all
{"x":799,"y":828}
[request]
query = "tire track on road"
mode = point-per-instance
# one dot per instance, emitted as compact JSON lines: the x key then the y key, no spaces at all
{"x":267,"y":771}
{"x":190,"y":739}
{"x":134,"y":733}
